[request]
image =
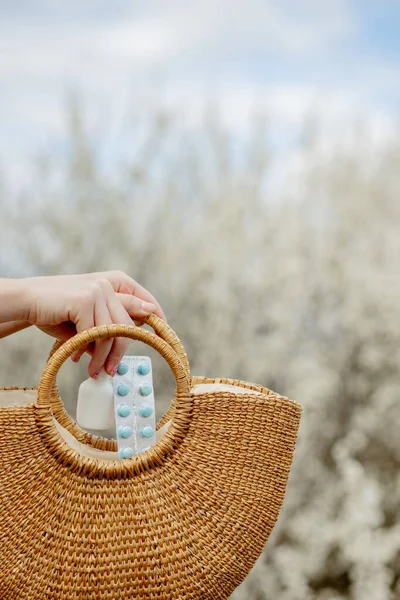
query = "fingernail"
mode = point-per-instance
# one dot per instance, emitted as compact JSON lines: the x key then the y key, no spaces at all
{"x":113,"y":371}
{"x":148,"y":307}
{"x":75,"y":359}
{"x":95,"y":376}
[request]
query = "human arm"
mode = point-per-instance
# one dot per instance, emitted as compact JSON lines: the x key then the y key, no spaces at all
{"x":64,"y":305}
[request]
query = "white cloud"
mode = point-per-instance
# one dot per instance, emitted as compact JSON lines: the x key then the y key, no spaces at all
{"x":143,"y":42}
{"x":165,"y":31}
{"x":176,"y":53}
{"x":240,"y":24}
{"x":69,"y":52}
{"x":268,"y":25}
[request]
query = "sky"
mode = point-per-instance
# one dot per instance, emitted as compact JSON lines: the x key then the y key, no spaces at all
{"x":338,"y":58}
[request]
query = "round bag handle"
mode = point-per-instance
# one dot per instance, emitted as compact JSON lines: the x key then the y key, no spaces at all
{"x":183,"y":400}
{"x":62,"y":416}
{"x":163,"y":330}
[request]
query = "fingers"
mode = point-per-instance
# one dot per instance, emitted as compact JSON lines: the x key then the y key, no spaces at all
{"x":120,"y":345}
{"x":143,"y":294}
{"x":109,"y":308}
{"x":116,"y":298}
{"x":101,"y":347}
{"x":124,"y":284}
{"x":137,"y":309}
{"x":122,"y":308}
{"x":90,"y":309}
{"x":125,"y":309}
{"x":83,"y":316}
{"x":78,"y":353}
{"x":83,"y":313}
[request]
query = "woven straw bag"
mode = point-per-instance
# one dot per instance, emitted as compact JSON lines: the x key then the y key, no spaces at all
{"x":186,"y":519}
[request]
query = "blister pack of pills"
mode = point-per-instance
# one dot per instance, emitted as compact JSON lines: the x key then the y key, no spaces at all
{"x":134,"y":406}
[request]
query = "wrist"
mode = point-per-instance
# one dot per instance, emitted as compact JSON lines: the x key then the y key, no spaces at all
{"x":14,"y":305}
{"x":12,"y":327}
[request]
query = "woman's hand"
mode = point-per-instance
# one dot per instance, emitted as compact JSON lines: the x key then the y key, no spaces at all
{"x":64,"y":305}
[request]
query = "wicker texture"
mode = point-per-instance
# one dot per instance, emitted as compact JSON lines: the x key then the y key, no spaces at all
{"x":187,"y":519}
{"x":164,"y":332}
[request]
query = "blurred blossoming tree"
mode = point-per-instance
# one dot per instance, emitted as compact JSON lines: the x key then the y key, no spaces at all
{"x":295,"y":286}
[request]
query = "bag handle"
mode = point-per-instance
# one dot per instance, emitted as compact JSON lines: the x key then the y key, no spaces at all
{"x":62,"y":416}
{"x":157,"y":453}
{"x":163,"y":330}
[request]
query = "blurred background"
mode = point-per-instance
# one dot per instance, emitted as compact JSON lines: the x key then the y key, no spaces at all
{"x":241,"y":160}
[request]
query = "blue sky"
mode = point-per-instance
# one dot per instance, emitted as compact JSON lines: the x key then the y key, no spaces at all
{"x":341,"y":57}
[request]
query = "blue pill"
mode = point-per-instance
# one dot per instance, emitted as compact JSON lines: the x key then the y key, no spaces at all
{"x":145,"y":389}
{"x":125,"y":432}
{"x":123,"y":389}
{"x":123,"y":410}
{"x":122,"y":368}
{"x":126,"y":452}
{"x":143,"y":368}
{"x":147,"y":431}
{"x":146,"y":410}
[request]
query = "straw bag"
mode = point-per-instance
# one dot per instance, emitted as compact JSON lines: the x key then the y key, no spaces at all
{"x":186,"y":519}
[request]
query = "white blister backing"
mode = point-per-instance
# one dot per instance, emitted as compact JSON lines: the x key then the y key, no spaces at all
{"x":95,"y":407}
{"x":134,"y":406}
